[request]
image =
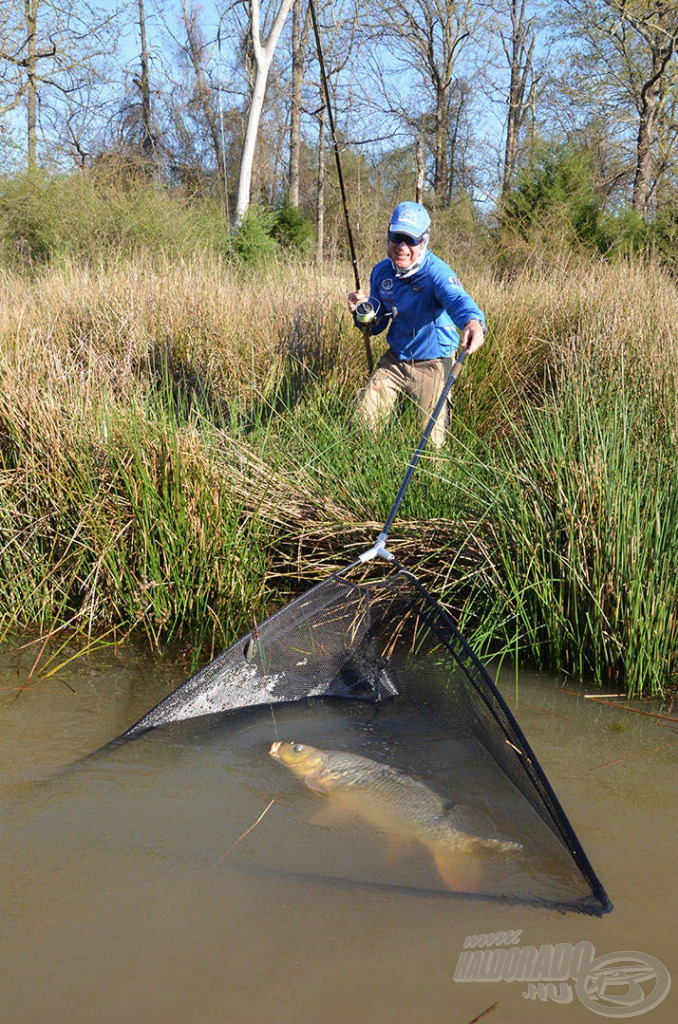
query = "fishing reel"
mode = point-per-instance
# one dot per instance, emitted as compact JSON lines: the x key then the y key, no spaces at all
{"x":364,"y":313}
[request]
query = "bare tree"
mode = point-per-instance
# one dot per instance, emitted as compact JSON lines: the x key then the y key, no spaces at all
{"x":627,"y":70}
{"x":425,"y":82}
{"x":197,"y":52}
{"x":148,"y":140}
{"x":132,"y":120}
{"x":197,"y":98}
{"x":48,"y":50}
{"x":300,"y":33}
{"x":334,"y":45}
{"x":518,"y":45}
{"x":263,"y":56}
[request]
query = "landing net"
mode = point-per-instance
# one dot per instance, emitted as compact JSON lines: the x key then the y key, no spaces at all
{"x":386,"y":642}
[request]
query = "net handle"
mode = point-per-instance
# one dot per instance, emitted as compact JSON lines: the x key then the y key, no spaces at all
{"x":453,"y":374}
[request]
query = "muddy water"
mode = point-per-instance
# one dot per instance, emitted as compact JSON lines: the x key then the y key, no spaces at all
{"x":158,"y":883}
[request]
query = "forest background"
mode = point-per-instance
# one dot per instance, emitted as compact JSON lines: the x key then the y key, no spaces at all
{"x":457,"y":102}
{"x":178,"y":371}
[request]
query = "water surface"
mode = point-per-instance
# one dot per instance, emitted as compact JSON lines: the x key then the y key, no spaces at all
{"x":141,"y":884}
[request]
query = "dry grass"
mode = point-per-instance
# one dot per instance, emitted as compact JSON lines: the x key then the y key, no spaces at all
{"x":175,"y":438}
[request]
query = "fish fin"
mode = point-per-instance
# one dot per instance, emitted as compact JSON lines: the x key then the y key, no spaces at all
{"x":314,"y":785}
{"x":332,"y":815}
{"x":458,"y":871}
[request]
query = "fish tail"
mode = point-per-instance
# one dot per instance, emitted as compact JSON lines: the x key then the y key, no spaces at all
{"x":461,"y":868}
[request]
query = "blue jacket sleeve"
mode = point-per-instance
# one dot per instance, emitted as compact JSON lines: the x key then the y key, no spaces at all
{"x":457,"y":302}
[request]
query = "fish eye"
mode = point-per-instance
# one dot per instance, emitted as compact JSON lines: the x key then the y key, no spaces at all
{"x":297,"y":748}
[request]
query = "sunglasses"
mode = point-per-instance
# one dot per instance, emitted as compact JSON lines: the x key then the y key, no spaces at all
{"x":397,"y":237}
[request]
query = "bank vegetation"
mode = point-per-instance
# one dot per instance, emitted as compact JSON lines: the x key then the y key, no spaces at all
{"x":179,"y":455}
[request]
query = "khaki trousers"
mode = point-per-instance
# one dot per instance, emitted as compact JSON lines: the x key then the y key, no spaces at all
{"x":423,"y":381}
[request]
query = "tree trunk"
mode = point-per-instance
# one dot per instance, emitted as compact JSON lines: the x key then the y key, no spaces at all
{"x":440,"y":176}
{"x":419,"y":157}
{"x":299,"y":43}
{"x":650,"y":99}
{"x":148,"y":138}
{"x":643,"y":177}
{"x":443,"y":77}
{"x":518,"y":49}
{"x":263,"y":55}
{"x":249,"y":144}
{"x":453,"y":134}
{"x":31,"y":11}
{"x":320,"y":218}
{"x":510,"y":153}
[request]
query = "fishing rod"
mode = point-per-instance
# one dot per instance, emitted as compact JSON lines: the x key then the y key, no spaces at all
{"x":364,"y":328}
{"x":379,"y":549}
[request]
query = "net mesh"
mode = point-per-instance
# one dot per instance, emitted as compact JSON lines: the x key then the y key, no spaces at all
{"x":376,"y":641}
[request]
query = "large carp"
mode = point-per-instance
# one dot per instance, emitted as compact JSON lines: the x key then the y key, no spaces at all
{"x":395,"y":803}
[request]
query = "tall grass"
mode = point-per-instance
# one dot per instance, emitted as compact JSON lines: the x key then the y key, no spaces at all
{"x":120,"y":520}
{"x":178,"y":451}
{"x":580,"y":522}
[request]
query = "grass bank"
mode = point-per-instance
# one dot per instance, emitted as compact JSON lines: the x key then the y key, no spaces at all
{"x":178,"y":452}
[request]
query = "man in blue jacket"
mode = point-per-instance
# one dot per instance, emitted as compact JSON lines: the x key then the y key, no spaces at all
{"x":421,"y":301}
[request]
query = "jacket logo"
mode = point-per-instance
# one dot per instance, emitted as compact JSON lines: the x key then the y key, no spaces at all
{"x":387,"y":285}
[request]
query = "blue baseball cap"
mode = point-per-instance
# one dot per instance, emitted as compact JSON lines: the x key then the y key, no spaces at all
{"x":410,"y":219}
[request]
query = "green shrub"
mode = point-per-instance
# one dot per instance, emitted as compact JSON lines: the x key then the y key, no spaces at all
{"x":663,"y":235}
{"x":254,"y":241}
{"x":559,"y":204}
{"x":28,"y":219}
{"x":85,"y":216}
{"x":622,"y":233}
{"x":291,"y":227}
{"x":556,"y":196}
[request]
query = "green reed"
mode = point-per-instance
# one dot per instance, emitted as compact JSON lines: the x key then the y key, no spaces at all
{"x":580,"y":527}
{"x":179,"y":452}
{"x":127,"y":519}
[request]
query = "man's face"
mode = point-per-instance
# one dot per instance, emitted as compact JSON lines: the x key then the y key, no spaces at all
{"x":403,"y":250}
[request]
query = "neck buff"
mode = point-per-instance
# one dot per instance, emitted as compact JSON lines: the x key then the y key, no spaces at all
{"x":418,"y":262}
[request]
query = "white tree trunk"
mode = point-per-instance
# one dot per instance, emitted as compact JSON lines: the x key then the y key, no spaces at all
{"x":320,"y":220}
{"x":263,"y":56}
